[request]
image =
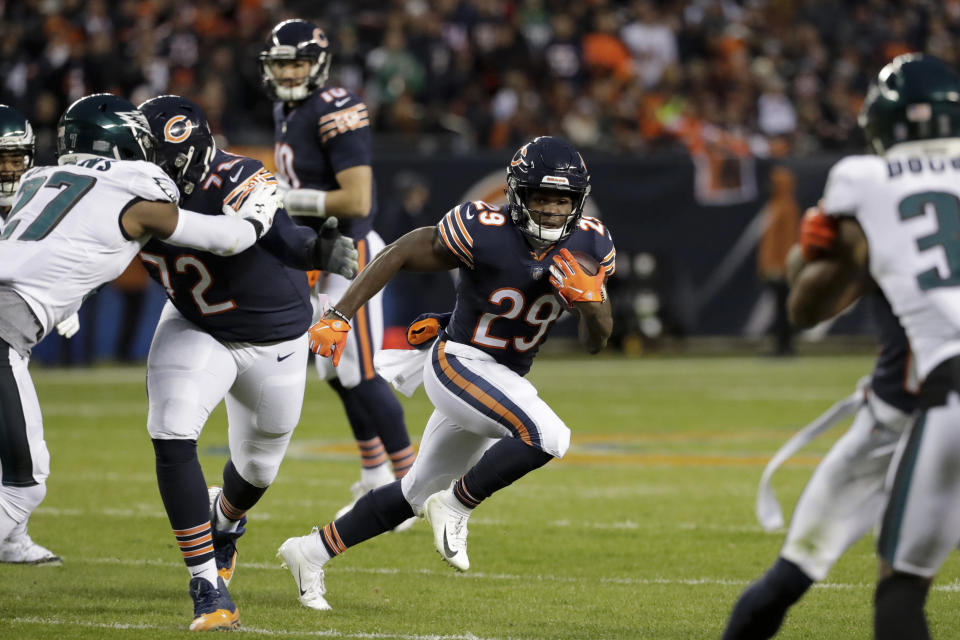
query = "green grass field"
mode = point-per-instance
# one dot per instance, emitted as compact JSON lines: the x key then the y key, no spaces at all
{"x":645,"y":530}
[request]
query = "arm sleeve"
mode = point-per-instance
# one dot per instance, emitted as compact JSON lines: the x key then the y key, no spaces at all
{"x":222,"y":235}
{"x":290,"y":243}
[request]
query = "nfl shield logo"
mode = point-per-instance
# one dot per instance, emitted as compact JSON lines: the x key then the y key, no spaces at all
{"x":536,"y":271}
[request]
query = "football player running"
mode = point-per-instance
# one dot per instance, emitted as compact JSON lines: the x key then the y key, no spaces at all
{"x":896,"y":218}
{"x":233,"y":329}
{"x":846,"y":495}
{"x":17,"y":151}
{"x":70,"y":229}
{"x":322,"y":153}
{"x":489,"y":427}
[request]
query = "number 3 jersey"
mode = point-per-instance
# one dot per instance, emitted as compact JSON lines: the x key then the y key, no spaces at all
{"x":907,"y":204}
{"x":62,"y":238}
{"x":505,"y":303}
{"x":249,"y":297}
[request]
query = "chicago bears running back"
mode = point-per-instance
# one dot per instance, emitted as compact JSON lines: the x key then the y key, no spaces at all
{"x":72,"y":228}
{"x":323,"y":157}
{"x":894,"y":216}
{"x":489,"y":427}
{"x":233,"y":329}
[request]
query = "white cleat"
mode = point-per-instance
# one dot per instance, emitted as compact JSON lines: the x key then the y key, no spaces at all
{"x":449,"y":529}
{"x":308,"y":575}
{"x":22,"y":550}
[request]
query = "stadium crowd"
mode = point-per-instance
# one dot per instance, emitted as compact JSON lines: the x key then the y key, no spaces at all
{"x":766,"y":77}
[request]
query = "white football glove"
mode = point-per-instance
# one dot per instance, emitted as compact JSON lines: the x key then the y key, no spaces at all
{"x":259,"y":207}
{"x":69,"y":326}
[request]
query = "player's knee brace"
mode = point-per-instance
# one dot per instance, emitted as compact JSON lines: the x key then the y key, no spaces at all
{"x":898,"y":608}
{"x":19,"y":502}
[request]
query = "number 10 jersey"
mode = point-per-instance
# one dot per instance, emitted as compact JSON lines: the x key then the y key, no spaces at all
{"x":908,"y":204}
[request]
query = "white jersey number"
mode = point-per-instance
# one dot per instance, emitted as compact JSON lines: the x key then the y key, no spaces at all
{"x":76,"y":187}
{"x":182,"y":263}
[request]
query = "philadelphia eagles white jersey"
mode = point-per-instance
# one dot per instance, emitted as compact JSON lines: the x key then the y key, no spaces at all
{"x":62,"y":238}
{"x":908,"y":204}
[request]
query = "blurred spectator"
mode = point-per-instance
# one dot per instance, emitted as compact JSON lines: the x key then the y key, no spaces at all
{"x":781,"y":227}
{"x":788,"y":76}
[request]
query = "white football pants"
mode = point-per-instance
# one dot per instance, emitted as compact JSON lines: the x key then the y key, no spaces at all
{"x":189,"y":372}
{"x":477,"y":402}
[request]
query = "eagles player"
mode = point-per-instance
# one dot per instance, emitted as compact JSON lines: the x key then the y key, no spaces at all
{"x":896,"y":217}
{"x":72,"y":228}
{"x":233,"y":329}
{"x":489,"y":427}
{"x":323,"y":157}
{"x":846,"y":494}
{"x":17,"y":150}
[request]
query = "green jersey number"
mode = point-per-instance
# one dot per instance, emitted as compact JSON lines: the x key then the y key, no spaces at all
{"x":76,"y":187}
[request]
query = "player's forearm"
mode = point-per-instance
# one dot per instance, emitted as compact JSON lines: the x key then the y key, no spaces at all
{"x":341,"y":203}
{"x":373,"y":277}
{"x":222,"y":235}
{"x":595,"y":324}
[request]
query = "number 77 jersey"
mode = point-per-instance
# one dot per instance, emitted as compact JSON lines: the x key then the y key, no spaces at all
{"x":908,"y":205}
{"x":62,"y":238}
{"x":505,"y":303}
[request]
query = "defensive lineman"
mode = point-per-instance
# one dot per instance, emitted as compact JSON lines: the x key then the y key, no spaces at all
{"x":323,"y":156}
{"x":489,"y":427}
{"x":896,"y":217}
{"x":233,"y":329}
{"x":72,"y":228}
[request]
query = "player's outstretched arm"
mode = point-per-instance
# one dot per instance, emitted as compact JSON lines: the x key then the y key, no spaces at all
{"x":420,"y":250}
{"x":223,"y":235}
{"x":827,"y":282}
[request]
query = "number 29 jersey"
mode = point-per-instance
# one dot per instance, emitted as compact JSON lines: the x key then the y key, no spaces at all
{"x":63,"y":239}
{"x":505,"y":303}
{"x":908,"y":205}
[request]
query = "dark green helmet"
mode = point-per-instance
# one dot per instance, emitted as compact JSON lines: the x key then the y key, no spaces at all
{"x":17,"y":142}
{"x":105,"y":125}
{"x":915,"y":97}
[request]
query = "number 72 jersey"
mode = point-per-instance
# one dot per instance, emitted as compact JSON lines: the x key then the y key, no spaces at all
{"x":908,"y":205}
{"x":506,"y":305}
{"x":62,"y":238}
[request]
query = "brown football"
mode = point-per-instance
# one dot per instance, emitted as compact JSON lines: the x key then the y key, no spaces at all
{"x":587,"y":261}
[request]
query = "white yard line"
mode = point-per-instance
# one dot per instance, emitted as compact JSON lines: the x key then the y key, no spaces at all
{"x":322,"y":633}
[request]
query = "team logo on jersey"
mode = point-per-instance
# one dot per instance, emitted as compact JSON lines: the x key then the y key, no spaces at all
{"x":177,"y":129}
{"x":536,"y":271}
{"x":320,"y":37}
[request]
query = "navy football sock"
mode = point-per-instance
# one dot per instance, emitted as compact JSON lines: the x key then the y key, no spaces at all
{"x":373,"y":410}
{"x":376,"y":512}
{"x":898,"y":608}
{"x":238,"y":494}
{"x":761,"y":608}
{"x":184,"y":494}
{"x":502,"y":464}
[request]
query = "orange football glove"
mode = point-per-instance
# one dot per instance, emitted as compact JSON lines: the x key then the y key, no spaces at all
{"x":572,"y":282}
{"x":422,"y":331}
{"x":328,"y":337}
{"x":818,"y":233}
{"x":313,"y":277}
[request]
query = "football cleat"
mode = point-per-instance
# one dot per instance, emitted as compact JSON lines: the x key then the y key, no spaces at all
{"x":449,"y":529}
{"x":224,"y":542}
{"x":213,"y":610}
{"x":22,"y":550}
{"x":308,"y":575}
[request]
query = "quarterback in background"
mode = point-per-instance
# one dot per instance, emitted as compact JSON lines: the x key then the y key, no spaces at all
{"x":323,"y":157}
{"x":489,"y":426}
{"x":233,"y":329}
{"x":895,"y":217}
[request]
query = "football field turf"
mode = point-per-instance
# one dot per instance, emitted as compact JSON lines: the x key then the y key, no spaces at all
{"x":645,"y":529}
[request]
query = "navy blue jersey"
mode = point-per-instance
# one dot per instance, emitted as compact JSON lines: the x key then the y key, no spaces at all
{"x":248,"y":297}
{"x":890,"y":374}
{"x":320,"y":137}
{"x":505,"y":303}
